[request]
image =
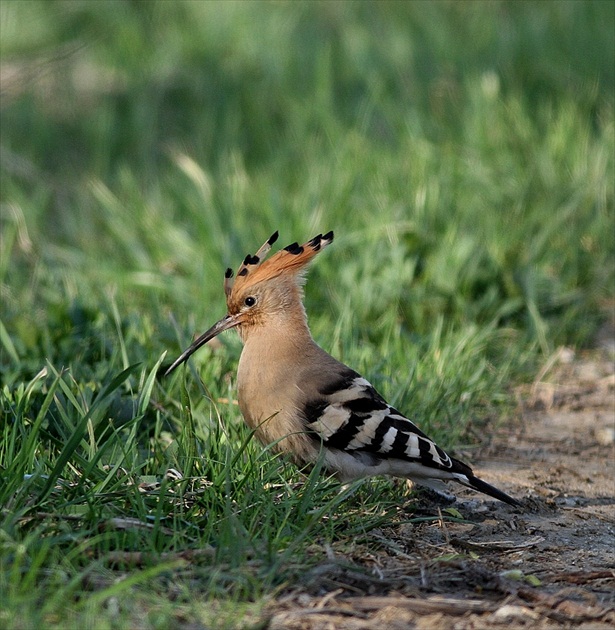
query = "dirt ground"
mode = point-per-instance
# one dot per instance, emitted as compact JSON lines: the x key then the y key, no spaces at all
{"x":549,"y":564}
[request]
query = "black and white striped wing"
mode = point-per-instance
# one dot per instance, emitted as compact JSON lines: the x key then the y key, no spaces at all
{"x":367,"y":436}
{"x":352,"y":416}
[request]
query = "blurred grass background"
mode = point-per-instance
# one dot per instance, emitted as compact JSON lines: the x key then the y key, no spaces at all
{"x":461,"y":151}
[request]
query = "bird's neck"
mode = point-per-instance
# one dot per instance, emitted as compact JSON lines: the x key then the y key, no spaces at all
{"x":284,"y":334}
{"x":269,"y":368}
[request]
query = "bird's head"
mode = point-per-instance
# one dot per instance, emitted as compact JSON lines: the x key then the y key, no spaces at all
{"x":262,"y":290}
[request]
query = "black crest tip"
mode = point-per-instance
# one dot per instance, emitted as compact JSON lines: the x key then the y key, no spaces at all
{"x":328,"y":236}
{"x":294,"y":248}
{"x":315,"y":242}
{"x":273,"y":238}
{"x":228,"y":273}
{"x":251,"y":260}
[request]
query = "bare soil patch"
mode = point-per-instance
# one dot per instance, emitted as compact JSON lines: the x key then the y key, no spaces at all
{"x":550,"y":564}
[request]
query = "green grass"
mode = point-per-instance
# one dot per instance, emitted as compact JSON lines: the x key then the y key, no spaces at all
{"x":462,"y":153}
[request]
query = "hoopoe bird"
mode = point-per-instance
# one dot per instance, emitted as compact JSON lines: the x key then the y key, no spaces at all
{"x":302,"y":401}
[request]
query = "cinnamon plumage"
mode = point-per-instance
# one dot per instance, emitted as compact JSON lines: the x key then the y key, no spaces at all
{"x":306,"y":403}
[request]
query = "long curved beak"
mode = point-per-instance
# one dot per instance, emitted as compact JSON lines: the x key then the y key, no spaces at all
{"x":230,"y":321}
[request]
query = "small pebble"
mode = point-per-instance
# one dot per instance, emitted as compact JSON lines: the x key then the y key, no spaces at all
{"x":605,"y":436}
{"x":509,"y":613}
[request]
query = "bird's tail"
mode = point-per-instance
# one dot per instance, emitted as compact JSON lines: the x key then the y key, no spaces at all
{"x":486,"y":488}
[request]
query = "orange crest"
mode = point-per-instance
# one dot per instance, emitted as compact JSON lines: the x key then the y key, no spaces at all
{"x":290,"y":260}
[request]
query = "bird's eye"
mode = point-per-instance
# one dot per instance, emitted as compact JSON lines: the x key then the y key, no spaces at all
{"x":250,"y":301}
